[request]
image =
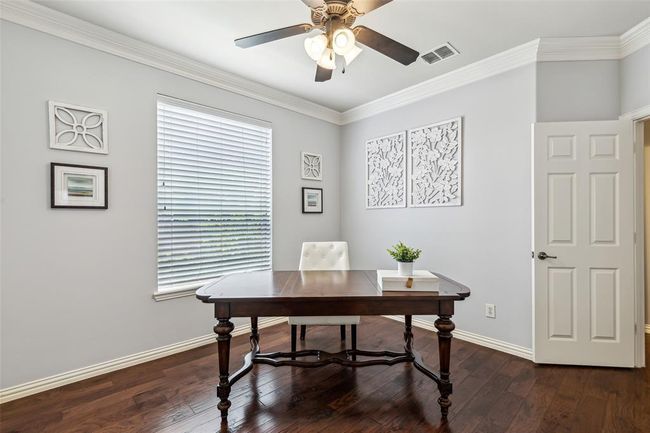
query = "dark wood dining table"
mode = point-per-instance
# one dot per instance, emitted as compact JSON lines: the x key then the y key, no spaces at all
{"x":327,"y":293}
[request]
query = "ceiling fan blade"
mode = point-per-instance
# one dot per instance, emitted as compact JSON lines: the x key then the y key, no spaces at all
{"x":314,"y":3}
{"x":323,"y":74}
{"x":273,"y":35}
{"x":365,"y":6}
{"x":385,"y":45}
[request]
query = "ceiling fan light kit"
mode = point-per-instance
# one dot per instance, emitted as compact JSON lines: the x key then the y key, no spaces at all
{"x":352,"y":54}
{"x":343,"y":41}
{"x":327,"y":60}
{"x":334,"y":18}
{"x":316,"y":46}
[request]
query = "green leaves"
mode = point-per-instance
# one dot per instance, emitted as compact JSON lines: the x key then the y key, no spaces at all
{"x":402,"y":253}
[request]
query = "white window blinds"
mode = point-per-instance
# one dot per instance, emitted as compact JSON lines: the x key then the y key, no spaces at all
{"x":214,"y":194}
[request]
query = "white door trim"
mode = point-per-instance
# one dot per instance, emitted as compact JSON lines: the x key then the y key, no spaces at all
{"x":641,"y":113}
{"x":633,"y":117}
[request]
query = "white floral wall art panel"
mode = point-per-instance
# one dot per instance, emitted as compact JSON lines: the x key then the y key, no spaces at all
{"x":77,"y":128}
{"x":435,"y":164}
{"x":386,"y":172}
{"x":311,"y":165}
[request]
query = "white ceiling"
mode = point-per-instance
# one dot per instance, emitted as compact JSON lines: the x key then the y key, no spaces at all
{"x":205,"y":30}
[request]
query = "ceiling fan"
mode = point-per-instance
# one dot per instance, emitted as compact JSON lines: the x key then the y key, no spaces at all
{"x":334,"y":19}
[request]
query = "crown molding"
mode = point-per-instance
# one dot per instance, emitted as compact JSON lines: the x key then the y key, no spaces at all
{"x":44,"y":19}
{"x":497,"y":64}
{"x":637,"y":114}
{"x":595,"y":48}
{"x":575,"y":49}
{"x":539,"y":50}
{"x":635,"y":38}
{"x":49,"y":21}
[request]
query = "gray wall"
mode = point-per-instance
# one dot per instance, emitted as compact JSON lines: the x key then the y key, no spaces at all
{"x":593,"y":90}
{"x":486,"y":242}
{"x":635,"y":80}
{"x":574,"y":91}
{"x":77,"y":284}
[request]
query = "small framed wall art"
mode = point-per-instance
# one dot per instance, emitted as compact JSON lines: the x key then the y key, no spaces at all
{"x":78,"y":186}
{"x":312,"y":200}
{"x":311,"y":165}
{"x":77,"y":128}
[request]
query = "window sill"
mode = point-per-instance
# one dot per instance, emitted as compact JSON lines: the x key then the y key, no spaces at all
{"x":173,"y":294}
{"x":180,"y":291}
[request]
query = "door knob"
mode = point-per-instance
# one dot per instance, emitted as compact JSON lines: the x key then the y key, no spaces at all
{"x":543,"y":256}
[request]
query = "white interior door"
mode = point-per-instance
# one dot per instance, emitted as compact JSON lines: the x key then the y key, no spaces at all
{"x":584,"y":222}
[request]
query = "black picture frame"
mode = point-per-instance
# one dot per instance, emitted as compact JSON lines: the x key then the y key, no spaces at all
{"x":55,"y":203}
{"x":303,"y":198}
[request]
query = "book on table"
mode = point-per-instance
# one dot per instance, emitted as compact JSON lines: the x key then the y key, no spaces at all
{"x":420,"y":281}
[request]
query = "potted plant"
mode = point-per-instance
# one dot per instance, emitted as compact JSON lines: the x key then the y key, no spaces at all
{"x":405,"y":257}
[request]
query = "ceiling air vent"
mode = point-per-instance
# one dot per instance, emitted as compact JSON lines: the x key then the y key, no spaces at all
{"x":440,"y":53}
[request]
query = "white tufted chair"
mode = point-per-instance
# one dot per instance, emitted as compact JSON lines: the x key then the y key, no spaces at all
{"x":324,"y":256}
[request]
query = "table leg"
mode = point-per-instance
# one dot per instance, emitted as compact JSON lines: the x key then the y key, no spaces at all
{"x":223,"y":330}
{"x":294,"y":332}
{"x":444,"y":325}
{"x":408,"y":334}
{"x":353,"y":337}
{"x":254,"y":332}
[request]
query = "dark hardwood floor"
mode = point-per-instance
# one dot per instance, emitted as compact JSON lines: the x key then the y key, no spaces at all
{"x":493,"y":392}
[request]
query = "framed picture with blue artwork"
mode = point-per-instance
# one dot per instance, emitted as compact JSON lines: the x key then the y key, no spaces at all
{"x":312,"y":200}
{"x":78,"y":186}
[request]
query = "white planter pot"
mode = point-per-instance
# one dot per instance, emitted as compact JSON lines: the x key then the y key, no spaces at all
{"x":405,"y":269}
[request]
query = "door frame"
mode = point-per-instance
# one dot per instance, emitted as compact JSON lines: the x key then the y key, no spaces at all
{"x":635,"y":120}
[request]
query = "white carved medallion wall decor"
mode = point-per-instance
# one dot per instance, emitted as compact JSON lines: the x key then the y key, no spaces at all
{"x":435,"y":164}
{"x":386,"y":172}
{"x":312,"y":166}
{"x":73,"y":127}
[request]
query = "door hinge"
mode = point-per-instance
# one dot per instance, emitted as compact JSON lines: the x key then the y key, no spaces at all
{"x":634,"y":237}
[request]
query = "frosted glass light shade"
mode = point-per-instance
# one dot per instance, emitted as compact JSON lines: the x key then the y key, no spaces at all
{"x":327,"y":60}
{"x":352,"y":54}
{"x":343,"y":41}
{"x":316,"y":46}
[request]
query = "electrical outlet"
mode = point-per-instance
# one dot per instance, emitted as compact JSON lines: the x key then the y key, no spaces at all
{"x":490,"y":311}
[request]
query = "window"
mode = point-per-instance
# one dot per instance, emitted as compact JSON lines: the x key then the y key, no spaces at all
{"x":214,"y":194}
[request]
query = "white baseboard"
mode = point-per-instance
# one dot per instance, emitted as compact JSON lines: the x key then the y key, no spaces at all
{"x":647,"y":328}
{"x":40,"y":385}
{"x":491,"y":343}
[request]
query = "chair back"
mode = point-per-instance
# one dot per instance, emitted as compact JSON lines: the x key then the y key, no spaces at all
{"x":324,"y":256}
